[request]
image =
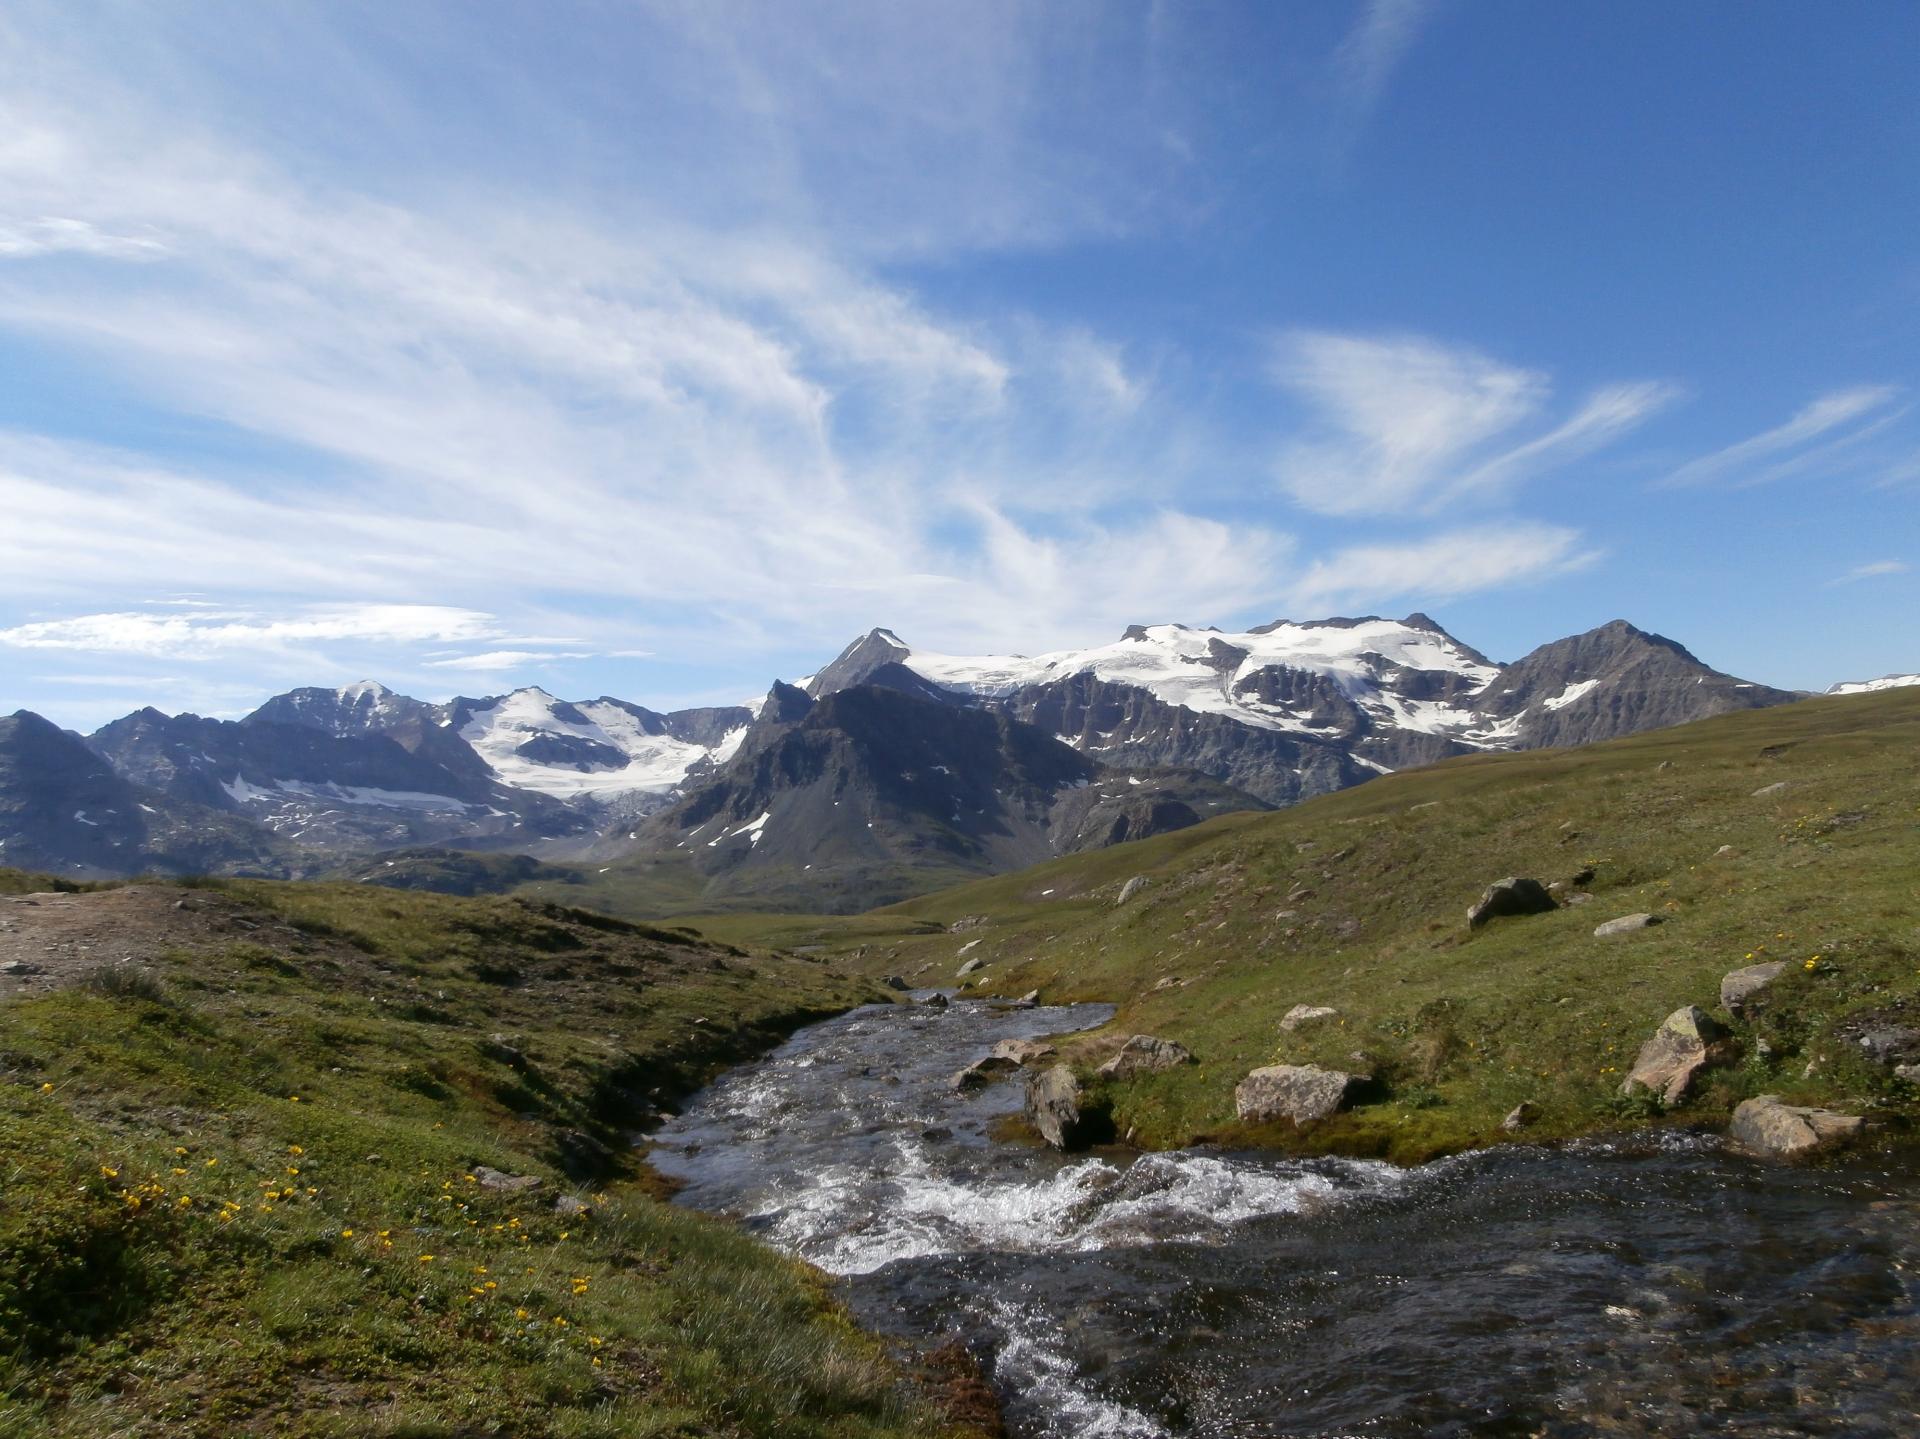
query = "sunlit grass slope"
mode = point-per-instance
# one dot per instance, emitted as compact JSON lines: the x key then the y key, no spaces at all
{"x":1358,"y":900}
{"x":240,"y":1186}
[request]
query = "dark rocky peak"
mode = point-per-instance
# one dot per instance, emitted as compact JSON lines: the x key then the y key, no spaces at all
{"x":785,"y":704}
{"x":367,"y":707}
{"x":857,"y":662}
{"x":707,"y":726}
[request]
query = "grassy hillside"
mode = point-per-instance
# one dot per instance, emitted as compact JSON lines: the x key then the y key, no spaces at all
{"x":1357,"y":901}
{"x":243,"y":1188}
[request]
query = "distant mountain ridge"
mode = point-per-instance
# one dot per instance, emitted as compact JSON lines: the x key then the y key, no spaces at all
{"x":1201,"y":720}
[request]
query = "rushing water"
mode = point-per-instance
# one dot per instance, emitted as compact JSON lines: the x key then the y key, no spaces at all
{"x":1650,"y":1286}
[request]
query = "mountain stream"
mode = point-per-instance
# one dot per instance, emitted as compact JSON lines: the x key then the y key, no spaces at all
{"x":1648,"y":1285}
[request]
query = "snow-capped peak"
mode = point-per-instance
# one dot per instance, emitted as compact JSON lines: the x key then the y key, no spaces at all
{"x":1885,"y":682}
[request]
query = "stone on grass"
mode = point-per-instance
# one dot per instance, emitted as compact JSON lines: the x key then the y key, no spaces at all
{"x":1769,"y":1127}
{"x":1689,"y":1041}
{"x":1053,"y":1105}
{"x":1131,"y":888}
{"x":969,"y":967}
{"x":1306,"y":1014}
{"x":1512,"y":895}
{"x":1302,"y":1093}
{"x":572,"y":1206}
{"x":1777,"y":787}
{"x":507,"y":1183}
{"x":1743,"y":984}
{"x":1520,"y":1117}
{"x":1144,"y":1054}
{"x":1626,"y":924}
{"x":894,"y":982}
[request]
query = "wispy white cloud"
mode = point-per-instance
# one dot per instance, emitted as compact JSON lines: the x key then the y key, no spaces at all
{"x":1405,"y":424}
{"x":1822,"y":416}
{"x":1876,"y":569}
{"x":1443,"y":566}
{"x":1377,"y":44}
{"x":493,"y":661}
{"x":208,"y":634}
{"x":54,"y":235}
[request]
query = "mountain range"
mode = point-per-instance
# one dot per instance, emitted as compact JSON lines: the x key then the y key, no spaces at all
{"x":887,"y":770}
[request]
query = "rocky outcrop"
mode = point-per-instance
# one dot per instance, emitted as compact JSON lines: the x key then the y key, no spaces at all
{"x":1625,"y":924}
{"x":1689,"y":1041}
{"x":1303,"y":1014}
{"x":1303,"y":1093}
{"x":1053,"y":1106}
{"x":1742,"y":985}
{"x":1767,"y":1126}
{"x":1145,"y":1054}
{"x":1510,"y":896}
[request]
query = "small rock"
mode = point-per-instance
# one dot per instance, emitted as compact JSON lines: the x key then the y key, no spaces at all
{"x":1298,"y":893}
{"x":1768,"y":1127}
{"x":1053,"y":1104}
{"x":1302,"y":1093}
{"x":1777,"y":787}
{"x":1167,"y":981}
{"x":1881,"y":1037}
{"x":1144,"y":1054}
{"x":1306,"y":1014}
{"x":508,"y":1183}
{"x":571,"y":1205}
{"x":1726,"y":851}
{"x":20,"y":968}
{"x":1131,"y":888}
{"x":1022,"y":1051}
{"x":1689,"y":1041}
{"x":969,"y":967}
{"x":1512,"y":895}
{"x":1908,"y":1072}
{"x":1743,"y":984}
{"x":981,"y":1073}
{"x":1626,"y":924}
{"x":935,"y":1001}
{"x":1579,"y":896}
{"x":895,"y":982}
{"x":1520,"y":1117}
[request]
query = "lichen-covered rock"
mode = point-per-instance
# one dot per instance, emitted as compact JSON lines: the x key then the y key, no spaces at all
{"x":1689,"y":1041}
{"x":1303,"y":1093}
{"x":1144,"y":1054}
{"x":1306,"y":1014}
{"x":1053,"y":1106}
{"x":1769,"y":1127}
{"x":1743,"y":984}
{"x":1512,"y":895}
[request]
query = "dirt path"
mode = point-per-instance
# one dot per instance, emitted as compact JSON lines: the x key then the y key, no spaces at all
{"x":51,"y":940}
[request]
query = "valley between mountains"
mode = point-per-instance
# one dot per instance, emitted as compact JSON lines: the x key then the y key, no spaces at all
{"x":890,"y":772}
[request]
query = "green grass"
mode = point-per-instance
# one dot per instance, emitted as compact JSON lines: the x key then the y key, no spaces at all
{"x":239,"y":1193}
{"x":1462,"y":1025}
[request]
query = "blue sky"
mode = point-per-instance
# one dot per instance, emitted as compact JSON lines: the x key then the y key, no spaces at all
{"x":658,"y":349}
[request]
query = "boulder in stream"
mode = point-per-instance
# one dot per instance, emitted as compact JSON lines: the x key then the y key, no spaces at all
{"x":1053,"y":1105}
{"x":982,"y":1072}
{"x":1022,"y":1051}
{"x":1303,"y":1093}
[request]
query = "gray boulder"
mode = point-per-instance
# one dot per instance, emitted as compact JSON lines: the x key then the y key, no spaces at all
{"x":970,"y":966}
{"x":1778,"y":787}
{"x":1144,"y":1054}
{"x":1689,"y":1041}
{"x":1520,"y":1117}
{"x":1743,"y":984}
{"x":936,"y":1000}
{"x":1303,"y":1093}
{"x":1626,"y":924}
{"x":895,"y":982}
{"x":1881,"y":1037}
{"x":1131,"y":888}
{"x":1512,"y":895}
{"x":1306,"y":1014}
{"x":1053,"y":1106}
{"x":1768,"y":1127}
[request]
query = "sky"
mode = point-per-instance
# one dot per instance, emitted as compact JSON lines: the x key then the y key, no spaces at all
{"x":659,"y":349}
